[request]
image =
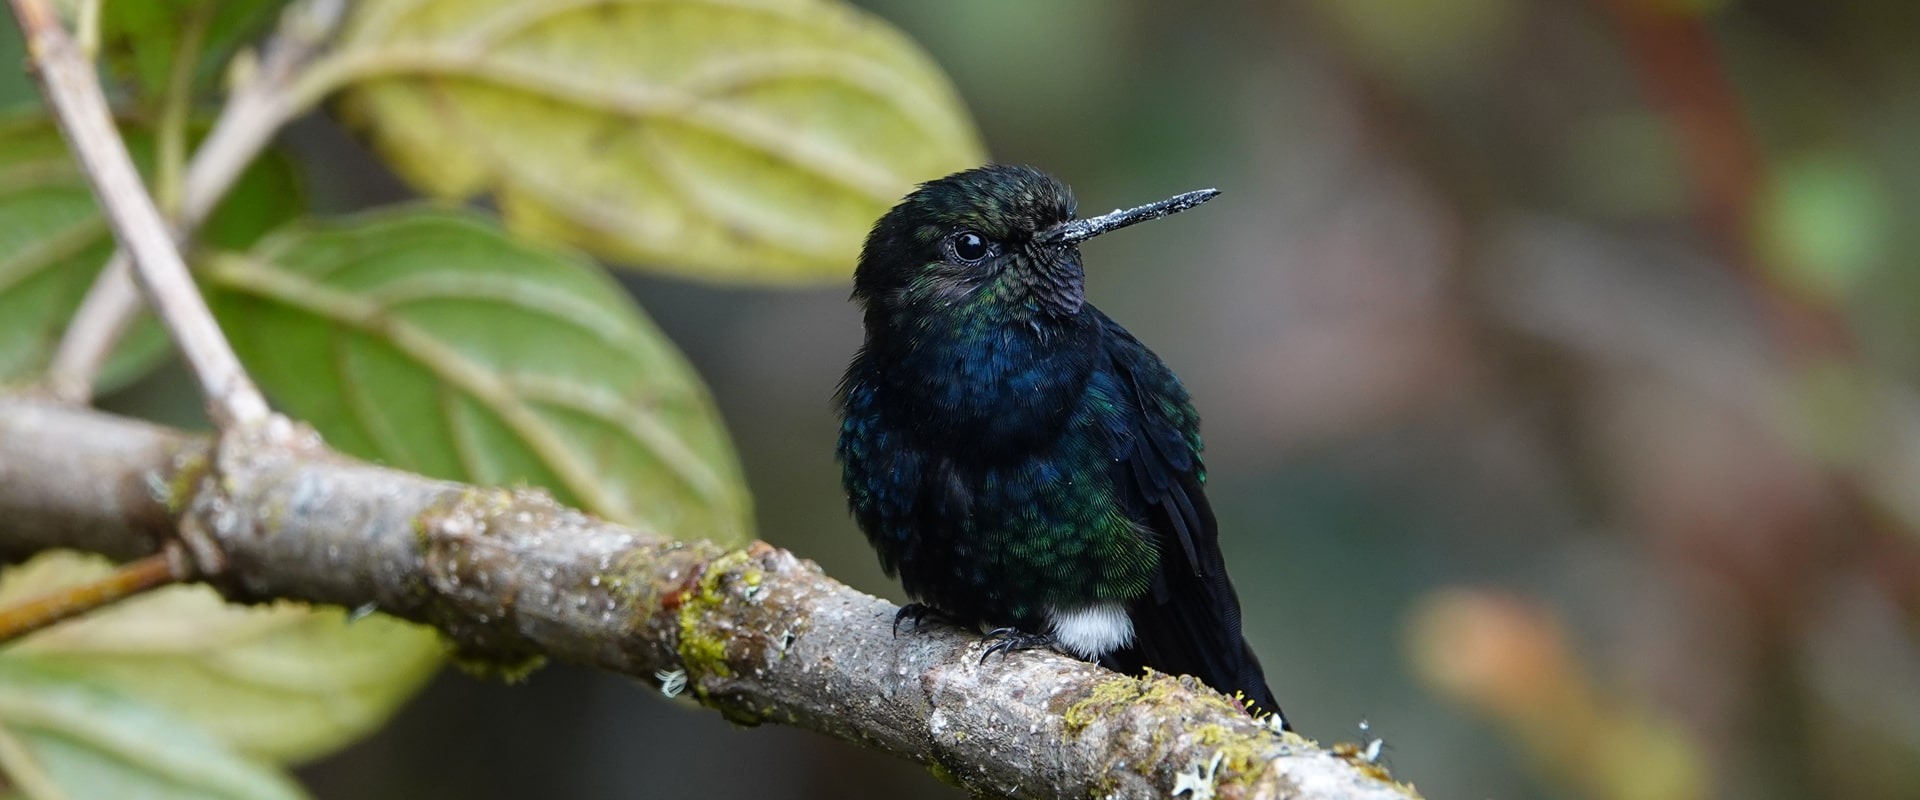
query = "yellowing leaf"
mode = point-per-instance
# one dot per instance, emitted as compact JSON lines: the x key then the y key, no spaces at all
{"x":283,"y":682}
{"x":434,"y":342}
{"x":738,"y":140}
{"x":63,"y":738}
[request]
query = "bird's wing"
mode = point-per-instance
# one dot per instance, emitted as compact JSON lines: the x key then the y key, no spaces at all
{"x":880,"y":473}
{"x":908,"y":502}
{"x":1189,"y":622}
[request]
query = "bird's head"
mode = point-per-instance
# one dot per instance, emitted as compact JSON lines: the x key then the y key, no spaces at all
{"x":999,"y":240}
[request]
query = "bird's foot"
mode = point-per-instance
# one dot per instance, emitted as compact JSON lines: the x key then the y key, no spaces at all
{"x":916,"y":613}
{"x":1013,"y":640}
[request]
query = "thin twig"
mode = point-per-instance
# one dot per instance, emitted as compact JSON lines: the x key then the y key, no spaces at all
{"x":258,"y":108}
{"x":73,"y":92}
{"x":144,"y":575}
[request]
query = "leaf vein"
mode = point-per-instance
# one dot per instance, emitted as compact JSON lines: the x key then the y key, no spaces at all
{"x":271,"y":282}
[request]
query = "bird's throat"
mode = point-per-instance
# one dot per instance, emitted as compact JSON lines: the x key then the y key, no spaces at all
{"x":991,"y":384}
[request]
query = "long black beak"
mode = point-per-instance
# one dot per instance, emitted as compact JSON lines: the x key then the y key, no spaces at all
{"x":1083,"y":229}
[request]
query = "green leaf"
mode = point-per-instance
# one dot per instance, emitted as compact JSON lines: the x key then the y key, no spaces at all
{"x":432,"y":341}
{"x":53,"y":241}
{"x":139,"y":39}
{"x":734,"y":140}
{"x":284,"y":682}
{"x":62,"y":738}
{"x":16,"y":89}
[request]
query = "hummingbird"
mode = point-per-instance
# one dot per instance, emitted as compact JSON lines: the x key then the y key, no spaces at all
{"x":1019,"y":460}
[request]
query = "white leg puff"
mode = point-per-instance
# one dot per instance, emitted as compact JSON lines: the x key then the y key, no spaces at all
{"x":1092,"y":631}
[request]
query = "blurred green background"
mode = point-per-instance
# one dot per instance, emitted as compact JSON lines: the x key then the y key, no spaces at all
{"x":1556,"y":361}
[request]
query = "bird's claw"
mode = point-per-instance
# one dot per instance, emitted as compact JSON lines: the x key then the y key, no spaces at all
{"x":1013,"y":640}
{"x":915,"y":613}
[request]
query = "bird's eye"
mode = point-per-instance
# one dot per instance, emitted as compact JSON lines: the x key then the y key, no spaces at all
{"x":968,"y":247}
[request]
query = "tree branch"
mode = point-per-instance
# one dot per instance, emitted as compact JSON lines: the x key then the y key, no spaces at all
{"x":73,"y":93}
{"x":761,"y":635}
